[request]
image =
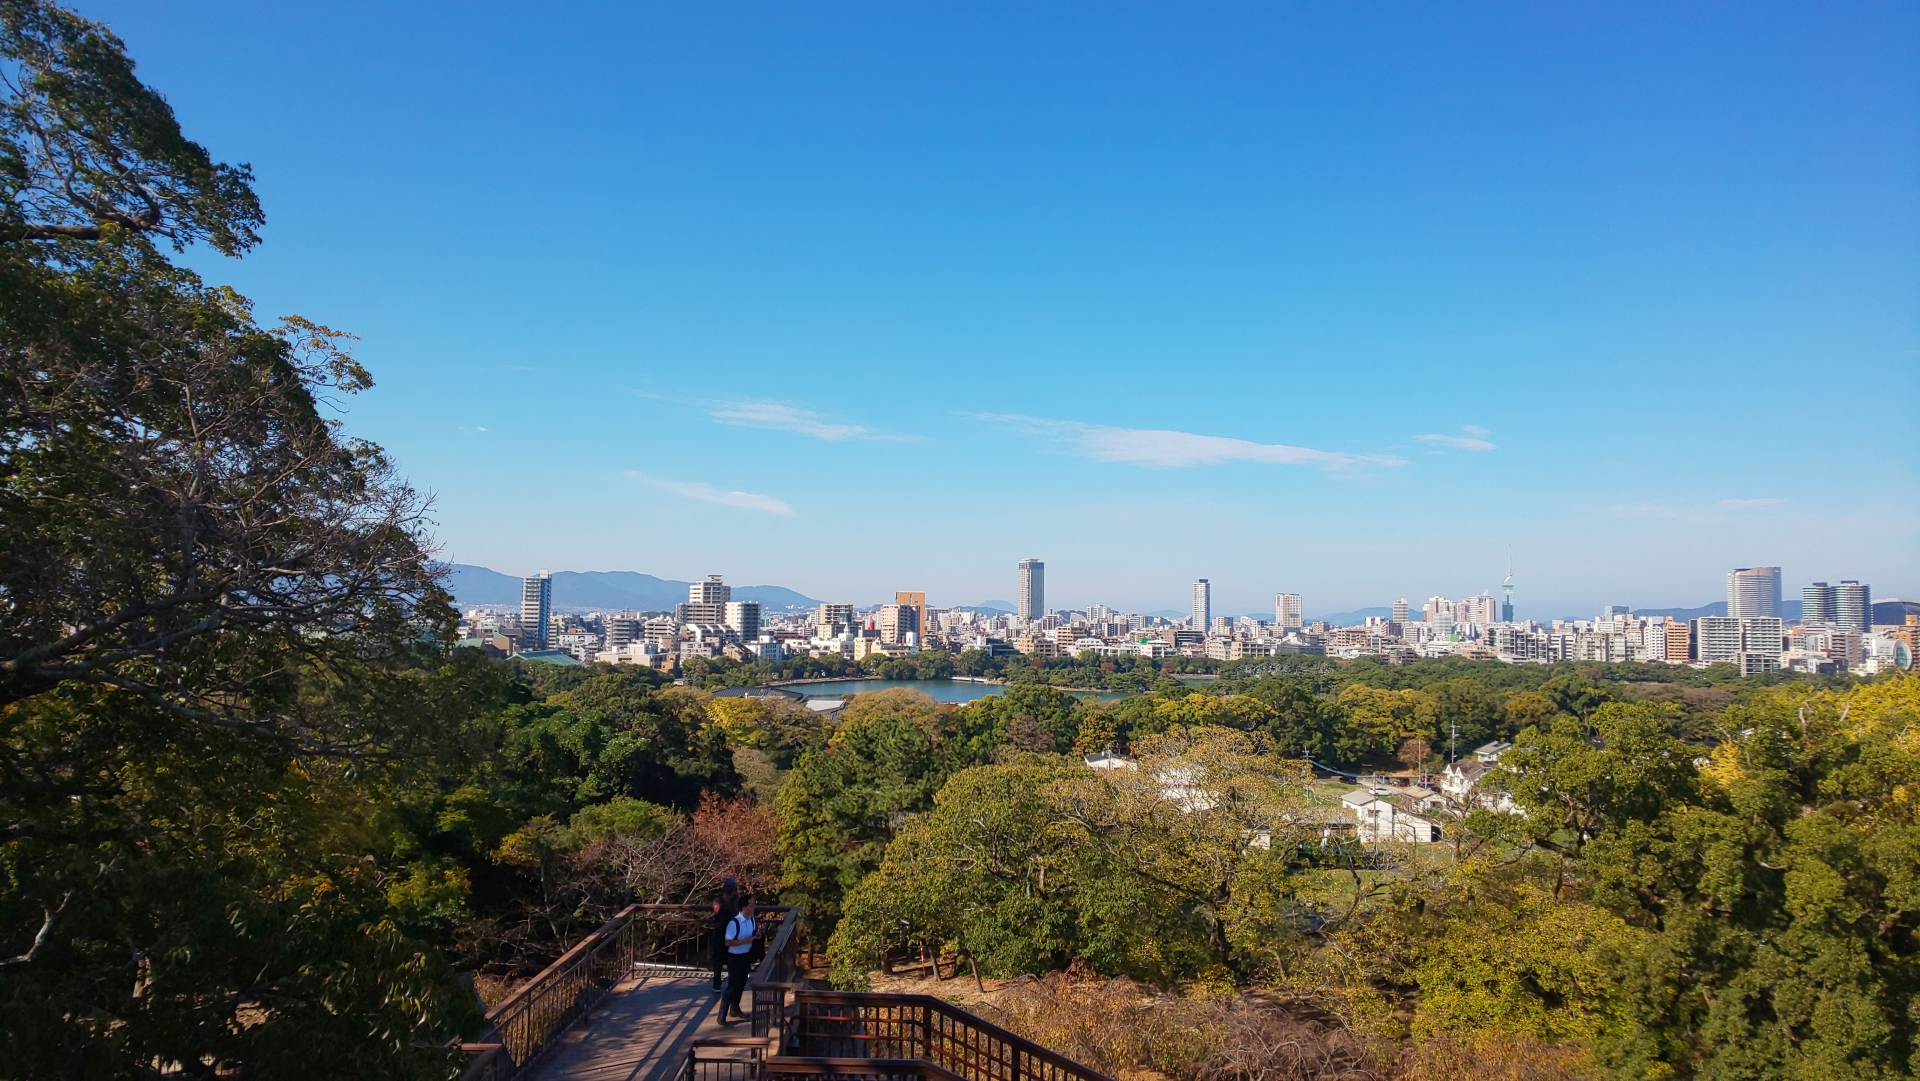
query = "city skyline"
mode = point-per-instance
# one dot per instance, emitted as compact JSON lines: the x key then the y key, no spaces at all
{"x":1347,"y":302}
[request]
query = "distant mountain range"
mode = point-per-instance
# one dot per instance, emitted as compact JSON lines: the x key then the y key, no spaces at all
{"x":603,"y":590}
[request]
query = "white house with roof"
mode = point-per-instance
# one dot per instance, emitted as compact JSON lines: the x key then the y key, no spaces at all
{"x":1382,"y":815}
{"x":1461,"y":783}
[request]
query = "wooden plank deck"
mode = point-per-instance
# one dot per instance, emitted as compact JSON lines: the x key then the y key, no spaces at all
{"x":640,"y":1032}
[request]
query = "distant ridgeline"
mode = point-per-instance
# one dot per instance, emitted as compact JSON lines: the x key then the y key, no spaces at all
{"x":472,"y":585}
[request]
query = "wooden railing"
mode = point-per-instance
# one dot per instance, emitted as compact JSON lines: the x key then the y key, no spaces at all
{"x":866,"y":1036}
{"x":673,"y":938}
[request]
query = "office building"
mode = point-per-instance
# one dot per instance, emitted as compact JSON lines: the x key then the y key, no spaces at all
{"x":1202,"y":605}
{"x":917,"y":600}
{"x":1753,"y":593}
{"x":743,"y":619}
{"x":707,"y":601}
{"x":1853,"y":606}
{"x":536,"y":611}
{"x":1818,"y":604}
{"x":1400,"y":611}
{"x":834,"y":620}
{"x":1286,"y":611}
{"x":1031,"y":603}
{"x":1506,"y":595}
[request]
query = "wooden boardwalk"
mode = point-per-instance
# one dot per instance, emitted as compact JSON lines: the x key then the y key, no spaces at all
{"x":640,"y":1032}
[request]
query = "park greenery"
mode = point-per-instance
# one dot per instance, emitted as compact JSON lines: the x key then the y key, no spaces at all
{"x":258,"y":803}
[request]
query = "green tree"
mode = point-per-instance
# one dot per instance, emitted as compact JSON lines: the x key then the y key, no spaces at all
{"x":845,"y":801}
{"x":987,"y":872}
{"x":222,"y":631}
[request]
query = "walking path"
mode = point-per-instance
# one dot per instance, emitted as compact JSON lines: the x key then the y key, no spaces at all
{"x":640,"y":1032}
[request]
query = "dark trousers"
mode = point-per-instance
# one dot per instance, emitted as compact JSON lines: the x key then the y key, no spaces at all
{"x":738,"y":965}
{"x":719,"y":959}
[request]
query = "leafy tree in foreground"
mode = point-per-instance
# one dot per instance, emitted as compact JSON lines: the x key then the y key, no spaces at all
{"x":845,"y":801}
{"x":217,"y":625}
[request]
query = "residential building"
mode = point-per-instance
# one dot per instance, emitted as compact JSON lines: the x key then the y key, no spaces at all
{"x":1819,"y":604}
{"x":1853,"y":606}
{"x":1286,"y":611}
{"x":707,"y":601}
{"x":1716,"y":639}
{"x":1679,"y":648}
{"x":1031,"y":602}
{"x":1763,"y":637}
{"x":1481,"y":609}
{"x":1400,"y":610}
{"x":834,"y":620}
{"x":536,"y":610}
{"x":1202,"y":604}
{"x":1753,"y":593}
{"x":743,"y":619}
{"x":623,"y":629}
{"x":1384,"y":816}
{"x":899,"y":624}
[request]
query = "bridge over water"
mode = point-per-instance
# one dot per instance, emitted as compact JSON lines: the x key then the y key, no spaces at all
{"x":634,"y":1002}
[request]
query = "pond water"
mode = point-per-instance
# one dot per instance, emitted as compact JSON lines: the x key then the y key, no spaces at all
{"x":940,"y":690}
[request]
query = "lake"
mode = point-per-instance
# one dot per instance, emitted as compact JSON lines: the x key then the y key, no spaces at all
{"x":940,"y":690}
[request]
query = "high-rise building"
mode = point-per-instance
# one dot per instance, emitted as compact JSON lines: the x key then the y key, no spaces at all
{"x":536,"y":609}
{"x":1202,"y":604}
{"x":707,"y":601}
{"x":1679,"y":641}
{"x":834,"y":620}
{"x":622,"y":630}
{"x":743,"y":619}
{"x":918,"y":600}
{"x":1753,"y":593}
{"x":1286,"y":611}
{"x":1818,"y":603}
{"x":1716,"y":638}
{"x":1506,"y":595}
{"x":1763,"y":637}
{"x":1400,"y":611}
{"x":1853,"y":606}
{"x":1031,"y":603}
{"x":897,"y":621}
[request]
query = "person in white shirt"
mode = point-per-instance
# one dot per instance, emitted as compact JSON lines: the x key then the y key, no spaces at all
{"x":741,"y":930}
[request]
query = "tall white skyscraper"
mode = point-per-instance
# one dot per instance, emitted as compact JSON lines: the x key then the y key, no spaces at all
{"x":1032,"y":600}
{"x":1400,"y":610}
{"x":536,"y":607}
{"x":1853,"y":606}
{"x":1202,"y":604}
{"x":1753,"y":593}
{"x":1286,"y":611}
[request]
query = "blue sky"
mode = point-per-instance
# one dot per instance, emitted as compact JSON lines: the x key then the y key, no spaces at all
{"x":1347,"y":300}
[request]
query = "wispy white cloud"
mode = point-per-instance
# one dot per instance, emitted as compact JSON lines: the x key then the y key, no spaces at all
{"x":780,"y":417}
{"x":1475,"y":439}
{"x":707,"y":493}
{"x":1160,"y":448}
